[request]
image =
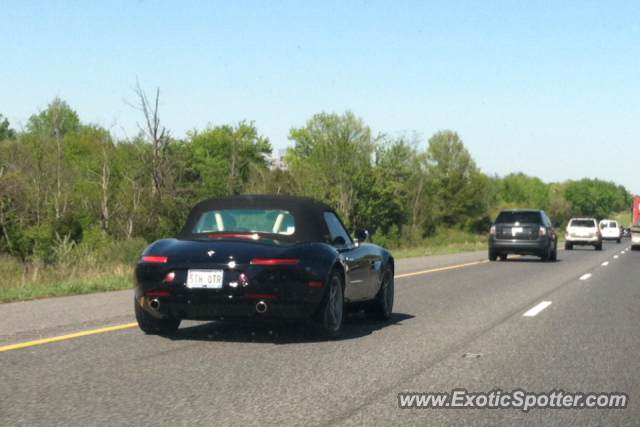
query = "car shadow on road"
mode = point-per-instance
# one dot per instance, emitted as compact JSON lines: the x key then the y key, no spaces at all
{"x":267,"y":331}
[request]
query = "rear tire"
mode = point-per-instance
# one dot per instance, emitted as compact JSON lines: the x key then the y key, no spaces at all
{"x":503,"y":257}
{"x":153,"y":326}
{"x":599,"y":247}
{"x":493,"y":255}
{"x":554,"y":255}
{"x":568,"y":246}
{"x":382,"y":305}
{"x":331,"y":310}
{"x":546,"y":254}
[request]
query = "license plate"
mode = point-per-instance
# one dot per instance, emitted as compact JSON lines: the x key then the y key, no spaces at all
{"x":516,"y":230}
{"x":211,"y":279}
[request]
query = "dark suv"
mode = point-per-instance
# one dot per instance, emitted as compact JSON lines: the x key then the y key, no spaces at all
{"x":523,"y":232}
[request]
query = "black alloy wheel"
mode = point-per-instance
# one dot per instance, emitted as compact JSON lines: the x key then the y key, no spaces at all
{"x":331,"y":309}
{"x":382,"y":305}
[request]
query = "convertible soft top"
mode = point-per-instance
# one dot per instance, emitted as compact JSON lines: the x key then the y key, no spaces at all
{"x":307,"y":212}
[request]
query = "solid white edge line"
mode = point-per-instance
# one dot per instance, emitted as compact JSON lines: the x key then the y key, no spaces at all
{"x":585,"y":276}
{"x":537,"y":309}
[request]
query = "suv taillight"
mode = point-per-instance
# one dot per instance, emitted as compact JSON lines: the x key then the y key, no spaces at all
{"x":543,"y":231}
{"x":493,"y":230}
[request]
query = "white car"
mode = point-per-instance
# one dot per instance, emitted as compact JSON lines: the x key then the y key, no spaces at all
{"x":583,"y":232}
{"x":610,"y":230}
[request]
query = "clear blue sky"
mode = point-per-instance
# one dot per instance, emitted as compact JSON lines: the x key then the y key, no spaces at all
{"x":548,"y":88}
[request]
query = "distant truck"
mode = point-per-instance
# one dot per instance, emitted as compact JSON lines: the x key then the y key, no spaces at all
{"x":635,"y":223}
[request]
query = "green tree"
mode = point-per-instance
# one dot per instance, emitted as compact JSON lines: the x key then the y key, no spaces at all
{"x":133,"y":199}
{"x":525,"y":191}
{"x":384,"y":204}
{"x":47,"y":135}
{"x":331,"y":161}
{"x":219,"y":160}
{"x":5,"y":131}
{"x":92,"y":153}
{"x":560,"y":209}
{"x":459,"y":186}
{"x":594,"y":197}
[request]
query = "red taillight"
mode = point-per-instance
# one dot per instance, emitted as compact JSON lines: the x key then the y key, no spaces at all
{"x":157,"y":293}
{"x":315,"y":284}
{"x":493,"y":230}
{"x":271,"y":261}
{"x":243,"y":278}
{"x":259,"y":296}
{"x":170,"y":276}
{"x":154,"y":258}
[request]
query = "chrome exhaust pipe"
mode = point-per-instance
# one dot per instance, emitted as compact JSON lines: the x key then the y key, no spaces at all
{"x":261,"y":307}
{"x":154,"y":304}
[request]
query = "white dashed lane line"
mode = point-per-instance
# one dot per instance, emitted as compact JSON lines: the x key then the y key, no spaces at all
{"x":605,"y":263}
{"x":585,"y":276}
{"x":537,"y":309}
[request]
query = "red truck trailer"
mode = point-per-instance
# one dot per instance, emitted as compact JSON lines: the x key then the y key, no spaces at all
{"x":635,"y":223}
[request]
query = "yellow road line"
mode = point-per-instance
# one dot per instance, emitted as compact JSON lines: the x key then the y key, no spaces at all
{"x":66,"y":337}
{"x":439,"y":269}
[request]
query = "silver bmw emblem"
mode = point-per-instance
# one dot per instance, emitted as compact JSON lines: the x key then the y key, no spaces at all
{"x":210,"y":253}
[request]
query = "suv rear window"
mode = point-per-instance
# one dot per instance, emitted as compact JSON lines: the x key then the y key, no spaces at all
{"x":582,"y":223}
{"x":510,"y":217}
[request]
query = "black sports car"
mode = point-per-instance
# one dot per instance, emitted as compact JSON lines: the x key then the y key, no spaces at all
{"x":258,"y":255}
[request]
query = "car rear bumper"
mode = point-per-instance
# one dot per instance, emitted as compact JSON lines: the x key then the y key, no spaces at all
{"x":520,"y":247}
{"x":583,"y":240}
{"x":610,"y":237}
{"x":225,"y":307}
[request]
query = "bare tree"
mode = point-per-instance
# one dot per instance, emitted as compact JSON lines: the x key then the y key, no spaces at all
{"x":157,"y":135}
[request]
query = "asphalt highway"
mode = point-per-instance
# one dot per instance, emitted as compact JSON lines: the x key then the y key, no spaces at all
{"x":459,"y":323}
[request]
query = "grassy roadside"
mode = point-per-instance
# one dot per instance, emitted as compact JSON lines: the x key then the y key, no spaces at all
{"x":439,"y":250}
{"x":70,"y":270}
{"x":70,"y":287}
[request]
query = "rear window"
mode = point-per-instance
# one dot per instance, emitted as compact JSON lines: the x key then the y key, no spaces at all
{"x":511,"y":217}
{"x":608,"y":224}
{"x":254,"y":220}
{"x":589,"y":223}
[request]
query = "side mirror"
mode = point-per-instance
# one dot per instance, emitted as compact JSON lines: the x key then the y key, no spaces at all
{"x":361,"y":235}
